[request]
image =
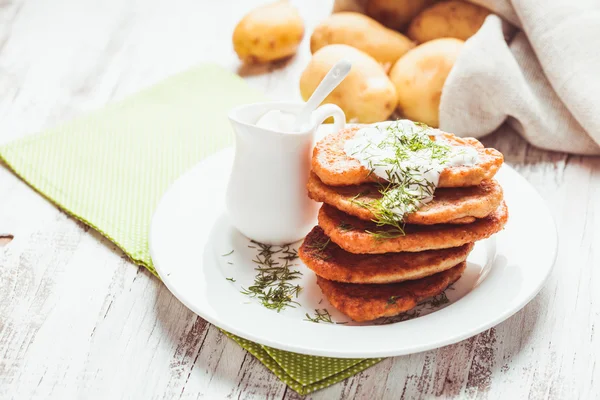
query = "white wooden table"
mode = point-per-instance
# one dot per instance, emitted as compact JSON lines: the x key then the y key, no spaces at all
{"x":78,"y":320}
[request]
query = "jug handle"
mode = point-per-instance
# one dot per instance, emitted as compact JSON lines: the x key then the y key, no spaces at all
{"x":329,"y":110}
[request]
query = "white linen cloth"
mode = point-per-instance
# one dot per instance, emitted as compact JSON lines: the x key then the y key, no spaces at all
{"x":541,"y":77}
{"x":537,"y":69}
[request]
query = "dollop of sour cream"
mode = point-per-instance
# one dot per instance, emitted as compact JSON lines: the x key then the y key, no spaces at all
{"x":277,"y":120}
{"x":403,"y":153}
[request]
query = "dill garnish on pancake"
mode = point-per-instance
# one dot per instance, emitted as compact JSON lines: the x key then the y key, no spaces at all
{"x":410,"y":160}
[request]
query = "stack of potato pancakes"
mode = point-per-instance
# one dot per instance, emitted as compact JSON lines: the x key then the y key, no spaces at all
{"x":368,"y":269}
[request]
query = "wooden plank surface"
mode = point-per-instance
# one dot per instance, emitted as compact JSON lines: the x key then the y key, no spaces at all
{"x":78,"y":320}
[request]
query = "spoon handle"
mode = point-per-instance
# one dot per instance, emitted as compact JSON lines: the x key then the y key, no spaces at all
{"x":333,"y":78}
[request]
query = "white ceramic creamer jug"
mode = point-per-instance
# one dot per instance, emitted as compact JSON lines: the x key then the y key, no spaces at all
{"x":266,"y":197}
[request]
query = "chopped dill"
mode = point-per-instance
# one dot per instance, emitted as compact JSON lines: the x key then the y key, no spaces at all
{"x":437,"y":301}
{"x":319,"y":249}
{"x":322,"y":315}
{"x":272,"y":284}
{"x":405,"y":316}
{"x":355,"y":199}
{"x":320,"y":246}
{"x":345,"y":227}
{"x":230,"y":279}
{"x":407,"y":187}
{"x":289,"y":253}
{"x":431,"y":304}
{"x":389,"y":234}
{"x":227,"y":254}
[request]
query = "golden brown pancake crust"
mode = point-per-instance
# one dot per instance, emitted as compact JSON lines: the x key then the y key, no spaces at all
{"x":331,"y":262}
{"x":350,"y":233}
{"x":450,"y":205}
{"x":369,"y":302}
{"x":335,"y":168}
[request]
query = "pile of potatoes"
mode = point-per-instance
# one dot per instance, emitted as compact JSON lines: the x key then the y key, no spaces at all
{"x":401,"y":51}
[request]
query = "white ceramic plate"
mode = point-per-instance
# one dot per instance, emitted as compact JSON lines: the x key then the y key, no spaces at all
{"x":190,"y":238}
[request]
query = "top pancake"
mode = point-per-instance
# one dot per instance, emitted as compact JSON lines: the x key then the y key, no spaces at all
{"x":449,"y":205}
{"x":335,"y":168}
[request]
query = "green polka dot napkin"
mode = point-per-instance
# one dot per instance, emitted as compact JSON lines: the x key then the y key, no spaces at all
{"x":109,"y":170}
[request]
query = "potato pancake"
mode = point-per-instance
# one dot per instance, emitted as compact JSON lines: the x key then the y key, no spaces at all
{"x":449,"y":205}
{"x":365,"y":237}
{"x":372,"y":301}
{"x":335,"y":168}
{"x":331,"y":262}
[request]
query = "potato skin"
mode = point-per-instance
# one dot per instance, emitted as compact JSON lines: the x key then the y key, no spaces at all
{"x":419,"y":77}
{"x":366,"y":95}
{"x":454,"y":18}
{"x":364,"y":33}
{"x":268,"y":33}
{"x":395,"y":14}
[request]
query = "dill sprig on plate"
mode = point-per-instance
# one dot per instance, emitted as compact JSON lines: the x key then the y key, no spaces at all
{"x":406,"y":186}
{"x":272,"y":284}
{"x":437,"y":300}
{"x":405,"y":316}
{"x":322,"y":315}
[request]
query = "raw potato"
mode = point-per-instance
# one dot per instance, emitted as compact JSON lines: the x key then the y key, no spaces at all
{"x":454,"y":18}
{"x":366,"y":95}
{"x":419,"y":77}
{"x":364,"y":33}
{"x":268,"y":33}
{"x":396,"y":14}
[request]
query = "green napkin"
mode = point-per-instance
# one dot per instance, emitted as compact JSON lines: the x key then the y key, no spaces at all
{"x":110,"y":168}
